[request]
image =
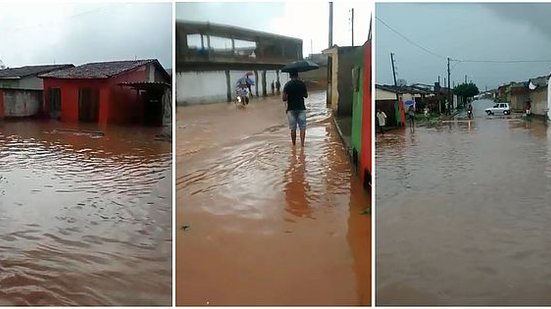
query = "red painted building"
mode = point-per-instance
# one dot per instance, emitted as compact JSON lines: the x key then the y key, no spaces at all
{"x":99,"y":92}
{"x":366,"y":149}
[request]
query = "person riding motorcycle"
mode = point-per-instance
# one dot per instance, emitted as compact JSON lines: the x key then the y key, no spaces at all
{"x":470,"y":111}
{"x":242,"y":95}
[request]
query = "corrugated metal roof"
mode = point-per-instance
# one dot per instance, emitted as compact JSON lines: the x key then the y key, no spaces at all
{"x":100,"y":70}
{"x":18,"y":73}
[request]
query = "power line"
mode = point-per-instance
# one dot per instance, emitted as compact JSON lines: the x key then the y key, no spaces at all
{"x":502,"y":61}
{"x":456,"y":59}
{"x":410,"y":41}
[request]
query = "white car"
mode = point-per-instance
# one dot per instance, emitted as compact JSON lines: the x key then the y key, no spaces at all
{"x":499,"y":108}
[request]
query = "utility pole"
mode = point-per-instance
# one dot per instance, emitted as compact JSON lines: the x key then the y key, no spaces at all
{"x":330,"y":24}
{"x":465,"y":78}
{"x":450,"y":95}
{"x":352,"y":20}
{"x":394,"y":77}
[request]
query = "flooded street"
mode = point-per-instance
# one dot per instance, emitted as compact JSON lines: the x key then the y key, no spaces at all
{"x":263,"y":223}
{"x":85,"y":218}
{"x":463,"y":213}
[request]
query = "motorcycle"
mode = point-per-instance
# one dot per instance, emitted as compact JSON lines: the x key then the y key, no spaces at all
{"x":242,"y":100}
{"x":470,"y":114}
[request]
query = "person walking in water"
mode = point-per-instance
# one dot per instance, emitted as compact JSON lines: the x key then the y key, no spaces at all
{"x":294,"y":93}
{"x":381,"y":118}
{"x":411,"y":116}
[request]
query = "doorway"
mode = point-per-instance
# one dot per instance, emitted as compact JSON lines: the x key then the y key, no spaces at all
{"x":54,"y":104}
{"x":153,"y":108}
{"x":88,"y":105}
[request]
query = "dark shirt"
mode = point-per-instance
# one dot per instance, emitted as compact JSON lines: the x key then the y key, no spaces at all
{"x":296,"y":92}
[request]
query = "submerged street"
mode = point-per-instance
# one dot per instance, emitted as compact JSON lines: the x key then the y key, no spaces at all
{"x":463,"y":213}
{"x":85,"y":218}
{"x":262,"y":223}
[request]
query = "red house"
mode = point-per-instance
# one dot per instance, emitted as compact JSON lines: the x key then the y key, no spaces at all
{"x":105,"y":92}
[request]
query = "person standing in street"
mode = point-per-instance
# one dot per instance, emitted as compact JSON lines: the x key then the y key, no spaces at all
{"x":294,"y":93}
{"x":381,"y":118}
{"x":278,"y":86}
{"x":411,"y":116}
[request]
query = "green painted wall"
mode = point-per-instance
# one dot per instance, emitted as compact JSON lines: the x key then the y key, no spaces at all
{"x":357,"y":103}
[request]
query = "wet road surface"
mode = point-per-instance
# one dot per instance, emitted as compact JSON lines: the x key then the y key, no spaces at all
{"x":267,"y":224}
{"x":85,"y":219}
{"x":463,"y":213}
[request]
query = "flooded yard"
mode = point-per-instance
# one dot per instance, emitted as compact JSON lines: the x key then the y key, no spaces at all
{"x":85,"y":217}
{"x":463,"y":213}
{"x":263,"y":223}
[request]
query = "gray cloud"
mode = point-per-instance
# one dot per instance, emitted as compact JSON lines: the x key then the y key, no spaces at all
{"x":86,"y":33}
{"x":467,"y":31}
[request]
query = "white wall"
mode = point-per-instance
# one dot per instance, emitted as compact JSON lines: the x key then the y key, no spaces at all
{"x":210,"y":87}
{"x":21,"y":103}
{"x":29,"y":83}
{"x":381,"y":94}
{"x":201,"y":87}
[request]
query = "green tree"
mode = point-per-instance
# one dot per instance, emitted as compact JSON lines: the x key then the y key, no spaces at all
{"x":466,"y":90}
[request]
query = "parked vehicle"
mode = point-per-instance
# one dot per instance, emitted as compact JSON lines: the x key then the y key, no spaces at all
{"x":499,"y":108}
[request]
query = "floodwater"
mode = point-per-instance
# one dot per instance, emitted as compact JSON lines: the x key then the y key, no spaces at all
{"x":463,"y":213}
{"x":85,"y":219}
{"x":263,"y":223}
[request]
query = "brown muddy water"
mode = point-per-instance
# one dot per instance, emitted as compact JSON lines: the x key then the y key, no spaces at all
{"x":463,"y":213}
{"x":85,"y":219}
{"x":267,"y":224}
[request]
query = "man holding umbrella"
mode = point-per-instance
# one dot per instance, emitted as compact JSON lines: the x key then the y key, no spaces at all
{"x":294,"y":93}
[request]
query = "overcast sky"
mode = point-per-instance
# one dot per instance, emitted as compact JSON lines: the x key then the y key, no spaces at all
{"x":308,"y":21}
{"x":32,"y":34}
{"x":468,"y":31}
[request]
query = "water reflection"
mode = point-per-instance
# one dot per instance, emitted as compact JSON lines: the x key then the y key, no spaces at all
{"x":462,"y":212}
{"x":257,"y":206}
{"x":80,"y":212}
{"x":296,"y":186}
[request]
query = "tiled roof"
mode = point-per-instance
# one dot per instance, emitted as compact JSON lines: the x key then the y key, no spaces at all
{"x":100,"y":69}
{"x":17,"y":73}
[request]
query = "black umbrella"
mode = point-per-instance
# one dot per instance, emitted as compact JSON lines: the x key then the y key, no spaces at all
{"x":300,"y":66}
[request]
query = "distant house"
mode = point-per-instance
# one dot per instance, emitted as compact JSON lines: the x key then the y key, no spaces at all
{"x":535,"y":91}
{"x":341,"y":61}
{"x":109,"y":92}
{"x":21,"y":89}
{"x":385,"y":100}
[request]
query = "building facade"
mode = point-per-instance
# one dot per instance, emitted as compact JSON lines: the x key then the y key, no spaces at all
{"x":103,"y":93}
{"x":21,"y":90}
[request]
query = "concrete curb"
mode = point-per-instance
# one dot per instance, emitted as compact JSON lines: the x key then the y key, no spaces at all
{"x":343,"y":140}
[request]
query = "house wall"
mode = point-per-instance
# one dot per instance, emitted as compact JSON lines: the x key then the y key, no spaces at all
{"x":117,"y":104}
{"x":70,"y":97}
{"x":31,"y":83}
{"x":367,"y":114}
{"x":334,"y":82}
{"x":26,"y":83}
{"x":538,"y":98}
{"x":381,"y":94}
{"x":390,"y":108}
{"x":346,"y":63}
{"x":518,"y":101}
{"x":1,"y":104}
{"x":21,"y":103}
{"x":200,"y":87}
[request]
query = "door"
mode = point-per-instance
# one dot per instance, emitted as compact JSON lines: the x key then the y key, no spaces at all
{"x":88,"y":105}
{"x":54,"y":102}
{"x":153,"y":108}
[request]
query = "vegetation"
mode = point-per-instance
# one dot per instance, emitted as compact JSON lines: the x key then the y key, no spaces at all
{"x":466,"y":90}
